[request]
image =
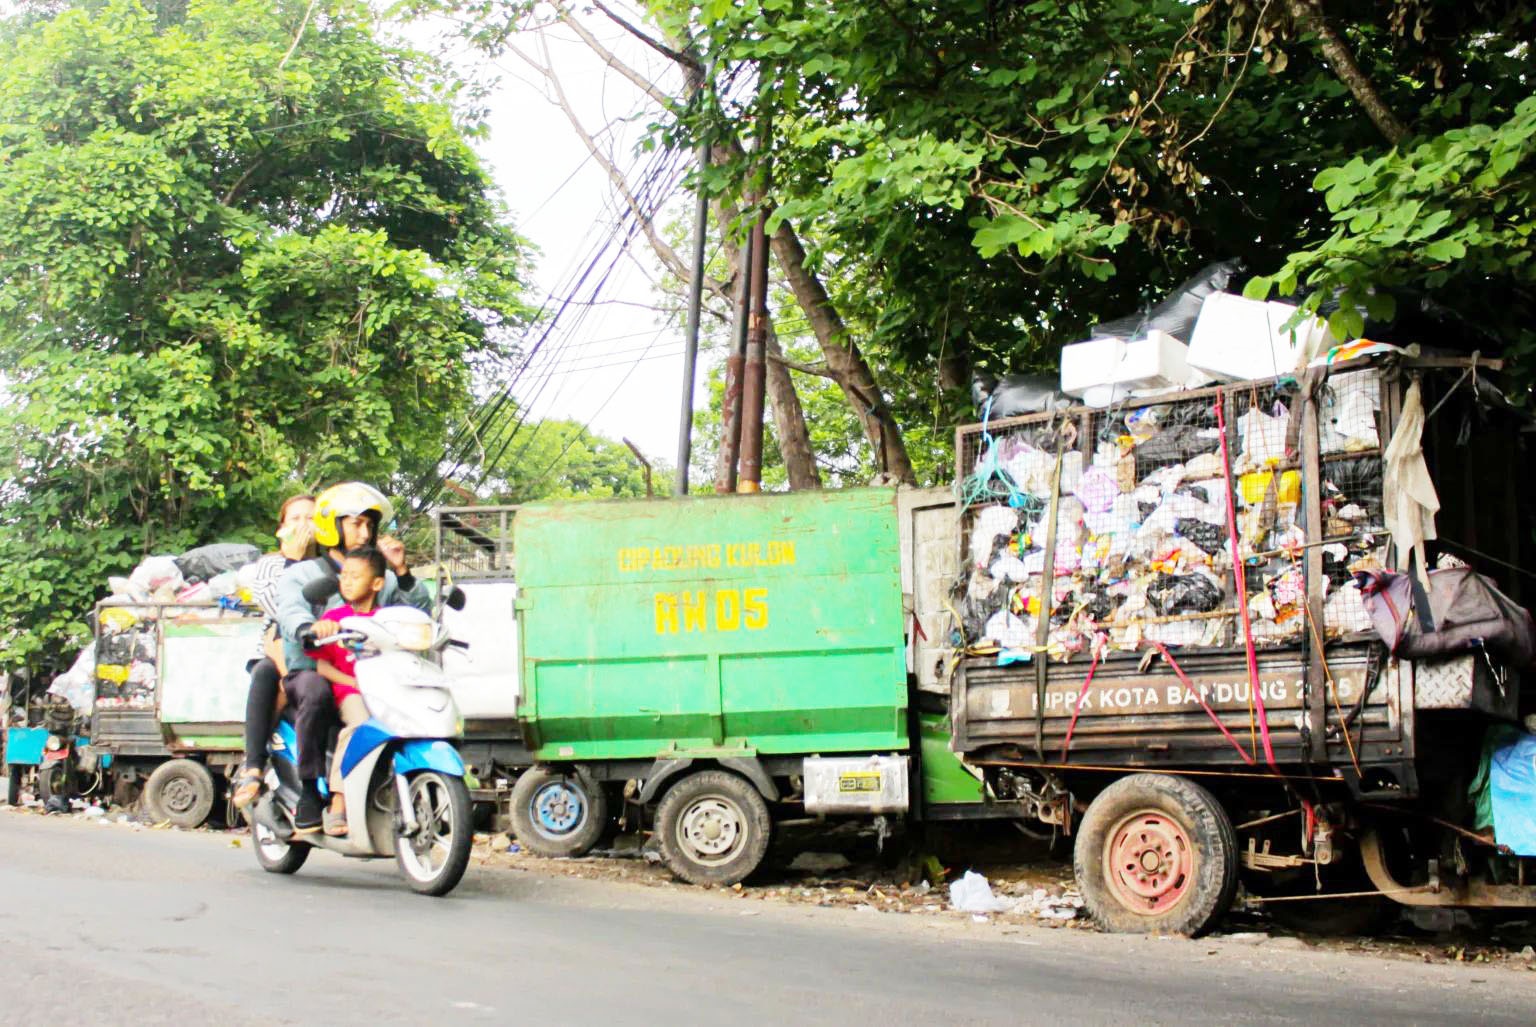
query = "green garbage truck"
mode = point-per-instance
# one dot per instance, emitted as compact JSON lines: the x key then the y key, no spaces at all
{"x":718,"y":665}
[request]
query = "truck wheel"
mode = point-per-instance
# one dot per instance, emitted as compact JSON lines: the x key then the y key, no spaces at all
{"x":714,"y":828}
{"x":555,"y":813}
{"x":1156,"y":853}
{"x":55,"y":780}
{"x":180,"y":791}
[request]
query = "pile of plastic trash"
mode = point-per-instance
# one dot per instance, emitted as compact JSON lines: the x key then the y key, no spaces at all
{"x":120,"y":668}
{"x":1142,"y":547}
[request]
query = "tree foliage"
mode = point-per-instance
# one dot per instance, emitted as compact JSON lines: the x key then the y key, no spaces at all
{"x":244,"y":249}
{"x":998,"y":176}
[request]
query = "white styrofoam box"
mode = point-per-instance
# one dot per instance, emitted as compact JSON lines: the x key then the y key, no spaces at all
{"x":1101,"y":396}
{"x":1155,"y":362}
{"x":1237,"y":339}
{"x":1083,"y":364}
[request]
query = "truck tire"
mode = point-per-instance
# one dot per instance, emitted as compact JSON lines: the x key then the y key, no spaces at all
{"x":1156,"y":854}
{"x":714,"y":828}
{"x":55,"y":779}
{"x":180,"y":791}
{"x":557,"y":813}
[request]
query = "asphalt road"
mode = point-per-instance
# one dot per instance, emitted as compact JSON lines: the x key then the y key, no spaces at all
{"x":106,"y":924}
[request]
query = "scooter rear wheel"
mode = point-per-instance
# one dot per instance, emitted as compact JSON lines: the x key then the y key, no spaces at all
{"x":434,"y":859}
{"x":275,"y":855}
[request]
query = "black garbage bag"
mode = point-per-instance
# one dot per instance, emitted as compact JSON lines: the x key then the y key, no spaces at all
{"x":1183,"y":593}
{"x":115,"y":649}
{"x":1208,"y":538}
{"x":1177,"y":444}
{"x":1179,"y":311}
{"x":206,"y":562}
{"x":1015,"y":394}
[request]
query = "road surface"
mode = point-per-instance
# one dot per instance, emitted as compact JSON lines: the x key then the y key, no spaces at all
{"x":106,"y":924}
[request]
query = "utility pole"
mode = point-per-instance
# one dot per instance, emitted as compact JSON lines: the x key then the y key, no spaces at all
{"x":695,"y":302}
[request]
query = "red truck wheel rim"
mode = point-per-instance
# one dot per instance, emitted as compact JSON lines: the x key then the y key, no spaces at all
{"x":1148,"y":862}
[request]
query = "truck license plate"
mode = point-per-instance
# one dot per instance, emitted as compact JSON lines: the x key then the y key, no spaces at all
{"x":858,"y":781}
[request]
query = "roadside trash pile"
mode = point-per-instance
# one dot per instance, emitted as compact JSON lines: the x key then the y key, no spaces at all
{"x":120,"y":669}
{"x":1142,"y":542}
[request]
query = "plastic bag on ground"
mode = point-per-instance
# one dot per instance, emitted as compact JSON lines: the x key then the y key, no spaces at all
{"x":973,"y":894}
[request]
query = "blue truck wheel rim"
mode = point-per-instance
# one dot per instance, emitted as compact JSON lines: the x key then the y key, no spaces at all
{"x":558,"y":808}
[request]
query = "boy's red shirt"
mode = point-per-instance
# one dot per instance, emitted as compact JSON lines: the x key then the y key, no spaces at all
{"x":339,"y":656}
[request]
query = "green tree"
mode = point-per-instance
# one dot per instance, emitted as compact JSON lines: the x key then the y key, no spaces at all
{"x":556,"y":459}
{"x":246,"y":249}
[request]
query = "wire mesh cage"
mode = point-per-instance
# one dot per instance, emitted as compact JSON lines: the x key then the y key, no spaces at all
{"x":1141,"y":546}
{"x":475,"y":542}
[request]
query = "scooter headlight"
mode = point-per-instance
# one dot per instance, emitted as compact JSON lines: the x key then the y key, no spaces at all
{"x":413,"y":637}
{"x":54,"y":743}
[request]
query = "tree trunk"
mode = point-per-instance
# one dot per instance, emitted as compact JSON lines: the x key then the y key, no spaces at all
{"x":1308,"y":15}
{"x":783,"y":401}
{"x":844,"y":359}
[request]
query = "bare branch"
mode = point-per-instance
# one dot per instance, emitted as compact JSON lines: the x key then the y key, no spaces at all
{"x":611,"y":59}
{"x":686,"y":60}
{"x":819,"y":370}
{"x":1309,"y":15}
{"x":644,"y":218}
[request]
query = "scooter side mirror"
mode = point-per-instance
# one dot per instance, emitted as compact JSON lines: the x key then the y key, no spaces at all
{"x":456,"y":598}
{"x":321,"y":590}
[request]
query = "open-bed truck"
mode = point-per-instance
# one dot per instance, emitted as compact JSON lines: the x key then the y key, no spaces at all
{"x":1156,"y":764}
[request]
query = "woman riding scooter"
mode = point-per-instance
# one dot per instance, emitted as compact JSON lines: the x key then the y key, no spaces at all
{"x":347,"y":516}
{"x":296,"y":542}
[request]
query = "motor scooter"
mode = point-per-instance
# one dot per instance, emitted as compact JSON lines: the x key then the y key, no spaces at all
{"x":402,"y":778}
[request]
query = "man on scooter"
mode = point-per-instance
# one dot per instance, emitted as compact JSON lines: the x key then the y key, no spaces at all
{"x":347,"y":516}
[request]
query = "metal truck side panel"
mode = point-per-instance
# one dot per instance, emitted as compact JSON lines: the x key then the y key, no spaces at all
{"x":768,"y":624}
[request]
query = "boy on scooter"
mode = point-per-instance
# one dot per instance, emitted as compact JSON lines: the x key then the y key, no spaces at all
{"x":361,"y":580}
{"x":346,"y":516}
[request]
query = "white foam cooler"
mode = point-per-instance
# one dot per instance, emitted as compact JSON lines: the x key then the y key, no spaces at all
{"x":1238,"y":339}
{"x":1103,"y":371}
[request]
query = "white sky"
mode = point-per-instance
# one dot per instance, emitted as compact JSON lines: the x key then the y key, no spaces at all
{"x":619,"y":367}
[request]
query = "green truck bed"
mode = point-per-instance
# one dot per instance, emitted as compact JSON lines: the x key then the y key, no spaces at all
{"x":737,"y":625}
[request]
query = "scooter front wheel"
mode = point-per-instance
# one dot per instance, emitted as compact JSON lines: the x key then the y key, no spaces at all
{"x":435,"y":856}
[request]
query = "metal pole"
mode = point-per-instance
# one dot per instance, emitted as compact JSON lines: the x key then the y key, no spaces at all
{"x":691,"y":343}
{"x":735,"y":364}
{"x":754,"y":373}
